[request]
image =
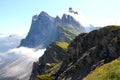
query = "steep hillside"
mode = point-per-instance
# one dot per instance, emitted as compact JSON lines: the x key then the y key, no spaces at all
{"x":50,"y":62}
{"x":85,"y":53}
{"x":109,"y":71}
{"x":46,"y":29}
{"x":88,"y":51}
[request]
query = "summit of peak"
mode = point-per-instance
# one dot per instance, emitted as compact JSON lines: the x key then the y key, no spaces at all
{"x":43,"y":14}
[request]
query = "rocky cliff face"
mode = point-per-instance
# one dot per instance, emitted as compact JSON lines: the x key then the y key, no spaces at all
{"x":46,"y":29}
{"x":54,"y":55}
{"x":85,"y":53}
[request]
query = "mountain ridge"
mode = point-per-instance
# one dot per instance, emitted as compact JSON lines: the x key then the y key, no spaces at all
{"x":45,"y":29}
{"x":84,"y":54}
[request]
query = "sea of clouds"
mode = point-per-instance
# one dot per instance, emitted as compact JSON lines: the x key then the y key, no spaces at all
{"x":17,"y":63}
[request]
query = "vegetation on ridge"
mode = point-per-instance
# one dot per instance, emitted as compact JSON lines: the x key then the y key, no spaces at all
{"x":113,"y":26}
{"x":70,"y":30}
{"x":109,"y":71}
{"x":63,"y":45}
{"x":44,"y":77}
{"x":69,"y":33}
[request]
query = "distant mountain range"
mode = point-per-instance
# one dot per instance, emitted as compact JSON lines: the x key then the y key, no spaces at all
{"x":91,"y":28}
{"x":9,"y":42}
{"x":46,"y":29}
{"x":16,"y":63}
{"x":45,"y":32}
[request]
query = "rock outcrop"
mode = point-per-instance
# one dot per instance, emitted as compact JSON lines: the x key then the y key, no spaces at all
{"x":84,"y":54}
{"x":89,"y":51}
{"x":54,"y":54}
{"x":46,"y":29}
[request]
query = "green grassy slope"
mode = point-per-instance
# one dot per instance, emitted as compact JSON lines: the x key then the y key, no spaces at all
{"x":69,"y":33}
{"x":109,"y":71}
{"x":63,"y":45}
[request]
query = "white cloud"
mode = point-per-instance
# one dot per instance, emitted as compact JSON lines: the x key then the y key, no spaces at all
{"x":105,"y":22}
{"x":18,"y":62}
{"x":96,"y":21}
{"x":9,"y":41}
{"x":80,"y":17}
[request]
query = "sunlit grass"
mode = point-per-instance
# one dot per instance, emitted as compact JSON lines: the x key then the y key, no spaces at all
{"x":109,"y":71}
{"x":44,"y":77}
{"x":63,"y":45}
{"x":113,"y":26}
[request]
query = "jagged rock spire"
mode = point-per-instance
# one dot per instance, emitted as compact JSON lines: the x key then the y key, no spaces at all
{"x":46,"y":29}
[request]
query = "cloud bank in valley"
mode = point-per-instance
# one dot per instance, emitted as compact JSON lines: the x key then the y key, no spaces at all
{"x":9,"y":41}
{"x":17,"y":63}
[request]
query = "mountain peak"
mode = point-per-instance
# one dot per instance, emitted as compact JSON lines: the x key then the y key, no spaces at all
{"x":46,"y":29}
{"x":67,"y":17}
{"x":57,"y":18}
{"x":43,"y":14}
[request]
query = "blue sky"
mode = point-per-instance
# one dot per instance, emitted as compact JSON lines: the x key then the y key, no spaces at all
{"x":15,"y":15}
